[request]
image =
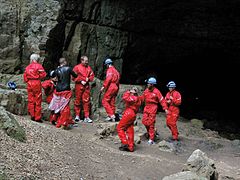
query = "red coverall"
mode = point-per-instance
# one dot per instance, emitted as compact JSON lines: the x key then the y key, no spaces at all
{"x":125,"y":126}
{"x":82,"y":92}
{"x":152,"y":98}
{"x":64,"y":118}
{"x":173,"y":112}
{"x":111,"y":84}
{"x":49,"y":87}
{"x":33,"y":74}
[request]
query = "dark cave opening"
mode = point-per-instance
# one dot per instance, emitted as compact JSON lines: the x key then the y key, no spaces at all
{"x":206,"y":80}
{"x":196,"y":44}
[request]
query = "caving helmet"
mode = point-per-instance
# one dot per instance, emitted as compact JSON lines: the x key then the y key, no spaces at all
{"x":108,"y":61}
{"x":52,"y":74}
{"x":171,"y":84}
{"x":152,"y":80}
{"x":12,"y":85}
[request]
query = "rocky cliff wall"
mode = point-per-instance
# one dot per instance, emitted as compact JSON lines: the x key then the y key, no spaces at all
{"x":25,"y":26}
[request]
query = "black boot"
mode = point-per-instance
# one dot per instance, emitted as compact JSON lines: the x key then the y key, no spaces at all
{"x":124,"y":147}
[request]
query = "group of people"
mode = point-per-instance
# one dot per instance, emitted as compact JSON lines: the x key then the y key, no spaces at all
{"x":58,"y":95}
{"x":58,"y":91}
{"x":151,"y":97}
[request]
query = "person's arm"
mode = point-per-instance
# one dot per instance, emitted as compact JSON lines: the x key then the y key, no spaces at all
{"x":42,"y":73}
{"x":107,"y":81}
{"x":142,"y":97}
{"x":74,"y":75}
{"x":75,"y":71}
{"x":91,"y":76}
{"x":46,"y":86}
{"x":167,"y":99}
{"x":128,"y":97}
{"x":176,"y":98}
{"x":162,"y":101}
{"x":25,"y":77}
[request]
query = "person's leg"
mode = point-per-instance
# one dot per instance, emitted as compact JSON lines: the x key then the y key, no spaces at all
{"x":126,"y":121}
{"x":31,"y":103}
{"x":78,"y":100}
{"x":130,"y":135}
{"x":38,"y":102}
{"x":145,"y":122}
{"x":151,"y":131}
{"x":151,"y":127}
{"x":172,"y":125}
{"x":53,"y":117}
{"x":106,"y":102}
{"x":113,"y":104}
{"x":63,"y":119}
{"x":86,"y":102}
{"x":121,"y":129}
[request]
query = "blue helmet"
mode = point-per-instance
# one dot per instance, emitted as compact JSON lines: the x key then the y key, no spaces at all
{"x":108,"y":61}
{"x":12,"y":85}
{"x":152,"y":80}
{"x":171,"y":84}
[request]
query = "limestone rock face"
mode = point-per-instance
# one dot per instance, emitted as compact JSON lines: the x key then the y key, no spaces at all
{"x":133,"y":33}
{"x":56,"y":28}
{"x":38,"y":18}
{"x":25,"y":26}
{"x":9,"y":39}
{"x":97,"y":42}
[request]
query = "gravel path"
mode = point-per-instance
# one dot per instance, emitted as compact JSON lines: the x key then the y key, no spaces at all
{"x":80,"y":154}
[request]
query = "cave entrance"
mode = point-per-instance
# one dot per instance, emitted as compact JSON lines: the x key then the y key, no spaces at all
{"x":206,"y":79}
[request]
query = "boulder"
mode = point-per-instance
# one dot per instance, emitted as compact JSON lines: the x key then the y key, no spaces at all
{"x":10,"y":125}
{"x":15,"y":101}
{"x":200,"y":164}
{"x":187,"y":175}
{"x":107,"y":129}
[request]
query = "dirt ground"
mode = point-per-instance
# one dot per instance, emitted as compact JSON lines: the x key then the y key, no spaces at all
{"x":81,"y":154}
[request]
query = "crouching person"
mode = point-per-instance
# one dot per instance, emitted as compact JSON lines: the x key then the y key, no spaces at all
{"x":125,"y":127}
{"x":62,"y":95}
{"x":49,"y":87}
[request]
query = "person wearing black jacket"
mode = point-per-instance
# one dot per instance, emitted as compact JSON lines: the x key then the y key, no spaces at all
{"x":63,"y":94}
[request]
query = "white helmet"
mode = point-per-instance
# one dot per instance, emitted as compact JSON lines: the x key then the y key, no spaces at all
{"x":171,"y":84}
{"x":108,"y":61}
